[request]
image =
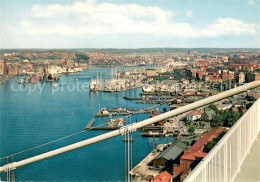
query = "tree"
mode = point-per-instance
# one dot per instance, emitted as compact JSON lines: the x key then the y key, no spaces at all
{"x":249,"y":105}
{"x":225,"y":118}
{"x":188,"y":122}
{"x":218,"y":120}
{"x":212,"y":143}
{"x":191,"y":129}
{"x":209,"y":146}
{"x":250,"y":98}
{"x":241,"y":108}
{"x":232,"y":117}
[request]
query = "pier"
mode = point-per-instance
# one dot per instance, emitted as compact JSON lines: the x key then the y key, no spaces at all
{"x":90,"y":124}
{"x":142,"y":169}
{"x":116,"y":123}
{"x":157,"y":93}
{"x":149,"y":98}
{"x":104,"y":112}
{"x":153,"y":102}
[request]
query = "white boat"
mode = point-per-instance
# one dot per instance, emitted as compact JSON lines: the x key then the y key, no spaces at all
{"x":55,"y":85}
{"x":78,"y":69}
{"x":23,"y":81}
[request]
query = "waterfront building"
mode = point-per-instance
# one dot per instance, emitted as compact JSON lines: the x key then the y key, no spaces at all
{"x":196,"y":153}
{"x":170,"y":155}
{"x":223,"y":107}
{"x":215,"y":79}
{"x":194,"y":115}
{"x":163,"y":177}
{"x":209,"y":114}
{"x":151,"y":72}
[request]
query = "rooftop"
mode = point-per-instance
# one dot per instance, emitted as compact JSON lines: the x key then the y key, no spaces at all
{"x":213,"y":133}
{"x":194,"y":113}
{"x":163,"y":177}
{"x":172,"y":152}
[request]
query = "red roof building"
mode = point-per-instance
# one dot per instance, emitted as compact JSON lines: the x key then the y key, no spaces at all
{"x":163,"y":177}
{"x":215,"y":79}
{"x":196,"y":151}
{"x":226,"y":77}
{"x":199,"y":74}
{"x":193,"y":115}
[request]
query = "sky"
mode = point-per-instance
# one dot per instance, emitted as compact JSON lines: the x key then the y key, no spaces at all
{"x":129,"y":24}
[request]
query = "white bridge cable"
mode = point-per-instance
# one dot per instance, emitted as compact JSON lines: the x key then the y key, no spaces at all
{"x":133,"y":127}
{"x":65,"y":137}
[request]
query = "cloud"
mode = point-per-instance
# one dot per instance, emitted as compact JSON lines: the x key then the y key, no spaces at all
{"x":228,"y":26}
{"x":91,"y":7}
{"x":93,"y":18}
{"x":189,"y":13}
{"x":251,"y":2}
{"x":25,"y":23}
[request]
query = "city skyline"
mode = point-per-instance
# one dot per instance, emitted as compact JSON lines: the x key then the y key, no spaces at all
{"x":135,"y":24}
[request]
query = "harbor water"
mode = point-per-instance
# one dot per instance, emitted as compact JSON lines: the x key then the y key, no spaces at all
{"x":31,"y":115}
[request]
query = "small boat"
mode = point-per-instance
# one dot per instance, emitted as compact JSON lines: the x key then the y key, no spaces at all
{"x":55,"y":85}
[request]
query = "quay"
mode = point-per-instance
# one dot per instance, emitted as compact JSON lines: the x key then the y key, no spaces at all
{"x":90,"y":124}
{"x":4,"y":79}
{"x":157,"y":93}
{"x":148,"y":98}
{"x":153,"y":102}
{"x":118,"y":90}
{"x":104,"y":112}
{"x":174,"y":106}
{"x":142,"y":170}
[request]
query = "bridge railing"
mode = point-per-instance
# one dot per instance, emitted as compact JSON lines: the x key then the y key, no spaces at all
{"x":223,"y":162}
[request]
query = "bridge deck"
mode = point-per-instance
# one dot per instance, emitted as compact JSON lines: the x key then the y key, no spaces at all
{"x":250,"y":169}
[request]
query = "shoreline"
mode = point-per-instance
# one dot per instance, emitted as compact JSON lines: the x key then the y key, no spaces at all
{"x":6,"y":79}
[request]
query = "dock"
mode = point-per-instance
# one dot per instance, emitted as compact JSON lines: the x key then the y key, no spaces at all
{"x":157,"y":93}
{"x":116,"y":123}
{"x":142,"y":169}
{"x":153,"y":102}
{"x":149,"y":98}
{"x":90,"y":124}
{"x":123,"y":111}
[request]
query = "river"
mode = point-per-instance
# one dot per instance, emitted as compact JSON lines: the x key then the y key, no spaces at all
{"x":31,"y":115}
